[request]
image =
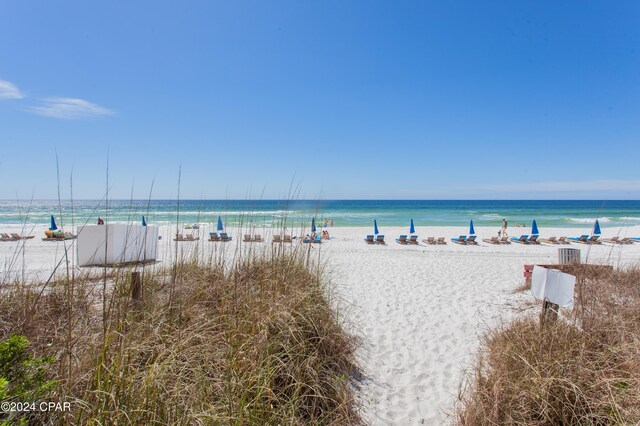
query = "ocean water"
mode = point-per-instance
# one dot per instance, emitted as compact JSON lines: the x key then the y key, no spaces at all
{"x":268,"y":213}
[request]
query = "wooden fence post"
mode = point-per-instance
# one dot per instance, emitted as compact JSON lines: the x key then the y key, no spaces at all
{"x":136,"y":287}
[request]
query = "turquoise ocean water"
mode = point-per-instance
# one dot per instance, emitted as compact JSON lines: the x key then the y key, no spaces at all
{"x":269,"y":213}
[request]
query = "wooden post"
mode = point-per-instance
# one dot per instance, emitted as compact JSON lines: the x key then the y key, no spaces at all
{"x":136,"y":287}
{"x":549,"y":312}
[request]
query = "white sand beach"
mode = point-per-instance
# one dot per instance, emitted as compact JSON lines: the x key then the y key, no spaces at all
{"x":419,"y":309}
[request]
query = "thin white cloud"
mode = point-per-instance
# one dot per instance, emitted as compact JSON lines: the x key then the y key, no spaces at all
{"x":8,"y":90}
{"x":69,"y":108}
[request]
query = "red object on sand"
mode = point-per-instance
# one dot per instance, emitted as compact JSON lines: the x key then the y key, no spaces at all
{"x":528,"y":270}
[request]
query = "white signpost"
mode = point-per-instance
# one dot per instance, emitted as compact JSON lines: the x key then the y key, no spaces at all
{"x":555,"y":288}
{"x":116,"y":243}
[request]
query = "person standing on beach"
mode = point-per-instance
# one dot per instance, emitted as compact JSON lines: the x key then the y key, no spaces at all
{"x":504,"y":227}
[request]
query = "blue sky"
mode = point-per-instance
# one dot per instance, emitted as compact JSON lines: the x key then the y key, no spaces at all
{"x":344,"y":99}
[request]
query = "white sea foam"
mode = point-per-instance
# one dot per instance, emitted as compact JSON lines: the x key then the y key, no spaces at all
{"x":588,"y":220}
{"x":629,"y":218}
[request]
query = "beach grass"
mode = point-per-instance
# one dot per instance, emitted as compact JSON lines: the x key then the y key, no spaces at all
{"x":252,"y":342}
{"x":582,"y":369}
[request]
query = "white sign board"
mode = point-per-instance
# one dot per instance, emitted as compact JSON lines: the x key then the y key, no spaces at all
{"x":552,"y":285}
{"x":116,"y":243}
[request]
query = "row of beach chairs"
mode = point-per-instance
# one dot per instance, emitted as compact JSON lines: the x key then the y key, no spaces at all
{"x":282,"y":239}
{"x":523,"y":239}
{"x":411,"y":240}
{"x":15,"y":237}
{"x":223,"y":238}
{"x":256,"y":238}
{"x":378,"y":239}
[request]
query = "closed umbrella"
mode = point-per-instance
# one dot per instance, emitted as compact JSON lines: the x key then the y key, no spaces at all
{"x":313,"y":224}
{"x":52,"y":226}
{"x":220,"y":226}
{"x":596,"y":228}
{"x":471,"y":230}
{"x":144,"y":222}
{"x":375,"y":227}
{"x":412,"y":229}
{"x":534,"y":228}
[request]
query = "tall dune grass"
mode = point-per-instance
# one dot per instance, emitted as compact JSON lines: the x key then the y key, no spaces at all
{"x":583,"y":369}
{"x":256,"y":342}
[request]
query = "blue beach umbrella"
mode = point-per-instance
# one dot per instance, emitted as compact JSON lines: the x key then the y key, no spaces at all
{"x":144,"y":222}
{"x":375,"y":227}
{"x":52,"y":226}
{"x":471,"y":230}
{"x":534,"y":228}
{"x":596,"y":228}
{"x":412,"y":229}
{"x":220,"y":227}
{"x":313,"y":224}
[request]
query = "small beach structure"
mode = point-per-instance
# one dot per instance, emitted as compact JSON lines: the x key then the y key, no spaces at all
{"x":115,"y":244}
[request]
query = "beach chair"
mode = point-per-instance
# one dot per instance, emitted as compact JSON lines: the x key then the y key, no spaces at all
{"x":370,"y":239}
{"x":581,"y":239}
{"x":472,"y":240}
{"x":524,"y":239}
{"x":612,"y":240}
{"x":224,"y":237}
{"x":213,"y":236}
{"x":178,"y":237}
{"x":380,"y":239}
{"x":441,"y":240}
{"x":550,"y":240}
{"x":492,"y":240}
{"x":533,"y":239}
{"x":6,"y":237}
{"x":246,"y":239}
{"x":594,"y":239}
{"x":276,"y":239}
{"x":402,"y":239}
{"x":429,"y":240}
{"x":287,"y":239}
{"x":562,"y":240}
{"x":413,"y":239}
{"x":257,"y":238}
{"x":191,"y":237}
{"x":505,"y":240}
{"x":462,"y":239}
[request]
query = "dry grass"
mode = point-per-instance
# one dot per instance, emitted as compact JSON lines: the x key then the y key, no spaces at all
{"x":257,"y":343}
{"x":582,"y":370}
